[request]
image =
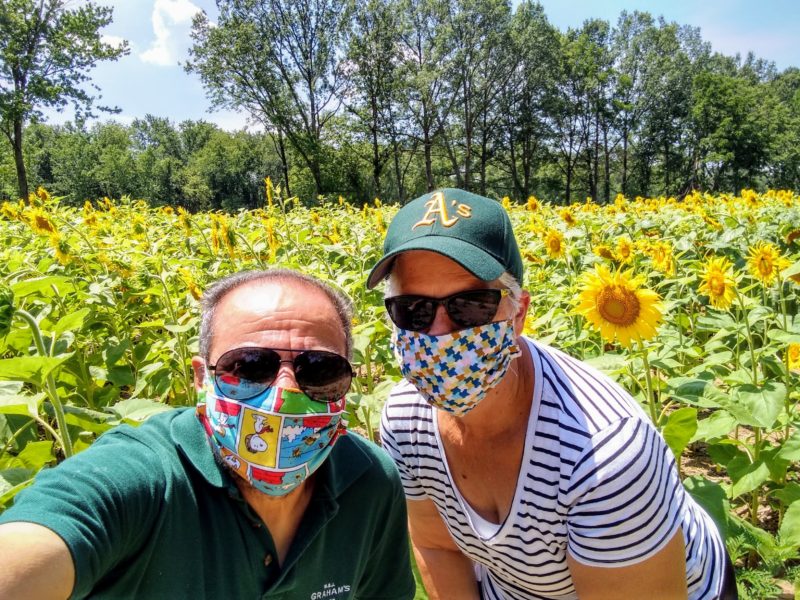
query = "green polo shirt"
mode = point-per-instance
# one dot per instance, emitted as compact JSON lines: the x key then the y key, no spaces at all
{"x":147,"y":512}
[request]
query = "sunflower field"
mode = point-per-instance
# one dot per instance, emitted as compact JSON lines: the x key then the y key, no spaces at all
{"x":691,"y":304}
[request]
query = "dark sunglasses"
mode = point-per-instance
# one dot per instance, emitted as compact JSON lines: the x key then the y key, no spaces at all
{"x":243,"y":373}
{"x":466,"y":309}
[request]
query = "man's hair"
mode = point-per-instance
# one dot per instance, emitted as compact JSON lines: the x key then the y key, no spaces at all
{"x":506,"y":280}
{"x":221,"y":288}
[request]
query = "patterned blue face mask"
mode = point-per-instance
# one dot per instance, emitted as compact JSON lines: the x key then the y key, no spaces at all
{"x":274,"y":440}
{"x":454,"y":371}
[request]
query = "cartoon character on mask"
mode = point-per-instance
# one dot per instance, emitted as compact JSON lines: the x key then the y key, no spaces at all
{"x":276,"y":440}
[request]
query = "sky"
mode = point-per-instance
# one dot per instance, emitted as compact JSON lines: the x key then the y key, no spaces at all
{"x":151,"y":78}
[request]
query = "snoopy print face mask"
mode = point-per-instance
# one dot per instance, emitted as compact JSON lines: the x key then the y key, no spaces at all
{"x":275,"y":440}
{"x":454,"y":371}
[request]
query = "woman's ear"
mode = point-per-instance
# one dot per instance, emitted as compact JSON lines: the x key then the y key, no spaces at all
{"x":522,"y":312}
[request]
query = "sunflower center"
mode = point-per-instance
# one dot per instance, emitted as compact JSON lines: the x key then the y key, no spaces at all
{"x":618,"y":305}
{"x":764,"y":266}
{"x":555,"y":245}
{"x":716,"y":283}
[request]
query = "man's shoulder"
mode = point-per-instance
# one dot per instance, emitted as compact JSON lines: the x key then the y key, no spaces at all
{"x":356,"y":448}
{"x":154,"y":433}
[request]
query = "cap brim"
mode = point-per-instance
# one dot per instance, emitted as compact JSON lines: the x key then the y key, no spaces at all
{"x":478,"y":262}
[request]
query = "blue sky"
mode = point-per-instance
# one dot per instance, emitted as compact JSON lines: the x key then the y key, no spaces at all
{"x":151,"y":80}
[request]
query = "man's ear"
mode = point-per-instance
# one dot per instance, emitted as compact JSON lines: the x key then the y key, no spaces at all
{"x":199,"y":368}
{"x":519,"y":318}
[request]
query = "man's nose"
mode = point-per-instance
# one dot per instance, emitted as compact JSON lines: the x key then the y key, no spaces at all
{"x":441,"y":322}
{"x":285,"y":377}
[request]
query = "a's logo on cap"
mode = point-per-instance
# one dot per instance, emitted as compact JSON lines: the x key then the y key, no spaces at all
{"x":437,"y":208}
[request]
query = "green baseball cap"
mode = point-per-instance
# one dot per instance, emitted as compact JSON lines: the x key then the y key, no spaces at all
{"x":472,"y":230}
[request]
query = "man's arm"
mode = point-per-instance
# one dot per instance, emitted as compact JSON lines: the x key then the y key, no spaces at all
{"x":445,"y":571}
{"x":660,"y":577}
{"x":37,"y":564}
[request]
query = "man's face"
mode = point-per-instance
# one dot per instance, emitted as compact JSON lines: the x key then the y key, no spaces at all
{"x":424,"y":273}
{"x":274,"y":314}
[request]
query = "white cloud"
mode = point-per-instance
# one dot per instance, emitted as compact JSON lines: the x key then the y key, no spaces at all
{"x":171,"y":21}
{"x":113,"y":40}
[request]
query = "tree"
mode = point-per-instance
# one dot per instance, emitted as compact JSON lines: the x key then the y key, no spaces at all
{"x":523,"y":132}
{"x":480,"y":73}
{"x":46,"y":50}
{"x":427,"y":50}
{"x":372,"y":76}
{"x":280,"y":61}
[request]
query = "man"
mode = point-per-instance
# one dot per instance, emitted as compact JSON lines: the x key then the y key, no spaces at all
{"x":527,"y":473}
{"x":257,"y":493}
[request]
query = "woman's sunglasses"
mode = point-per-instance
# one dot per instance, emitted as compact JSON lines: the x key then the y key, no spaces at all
{"x":243,"y":373}
{"x":466,"y":309}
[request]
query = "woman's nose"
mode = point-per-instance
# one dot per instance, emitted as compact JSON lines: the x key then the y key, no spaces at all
{"x":441,"y":322}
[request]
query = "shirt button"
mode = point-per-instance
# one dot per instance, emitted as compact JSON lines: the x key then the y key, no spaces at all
{"x":268,"y":560}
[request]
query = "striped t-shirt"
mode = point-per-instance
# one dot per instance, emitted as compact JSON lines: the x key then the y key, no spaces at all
{"x":596,"y":480}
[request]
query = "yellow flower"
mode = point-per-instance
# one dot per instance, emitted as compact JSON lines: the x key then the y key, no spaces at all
{"x":9,"y":211}
{"x":40,"y":222}
{"x":139,"y":225}
{"x":268,"y":188}
{"x":567,"y":216}
{"x":532,"y":204}
{"x":718,"y":283}
{"x":334,"y":236}
{"x":61,"y":248}
{"x":618,"y":306}
{"x":554,"y":243}
{"x":43,"y":194}
{"x":764,"y":262}
{"x":191,"y":284}
{"x":793,"y":356}
{"x":185,"y":221}
{"x":506,"y":202}
{"x":604,"y":251}
{"x":380,"y":225}
{"x":624,"y":249}
{"x":662,"y":257}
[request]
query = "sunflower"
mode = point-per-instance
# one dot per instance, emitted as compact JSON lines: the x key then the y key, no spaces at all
{"x":764,"y":262}
{"x":60,"y":247}
{"x":567,"y":216}
{"x":624,"y":249}
{"x":533,"y":204}
{"x":603,"y":251}
{"x":662,"y":257}
{"x":718,"y":283}
{"x":793,"y":357}
{"x":40,"y":222}
{"x":618,"y":306}
{"x":554,"y":243}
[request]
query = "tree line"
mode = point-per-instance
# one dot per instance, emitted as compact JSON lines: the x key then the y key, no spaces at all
{"x":391,"y":98}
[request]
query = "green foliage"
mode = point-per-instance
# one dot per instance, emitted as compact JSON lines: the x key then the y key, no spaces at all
{"x":46,"y":50}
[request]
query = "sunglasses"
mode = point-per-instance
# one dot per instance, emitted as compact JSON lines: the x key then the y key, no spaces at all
{"x":244,"y":373}
{"x":466,"y":309}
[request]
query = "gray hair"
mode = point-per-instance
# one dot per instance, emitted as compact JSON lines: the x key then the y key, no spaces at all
{"x":506,"y":280}
{"x":221,"y":288}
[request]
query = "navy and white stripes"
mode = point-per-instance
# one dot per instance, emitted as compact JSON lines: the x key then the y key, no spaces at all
{"x":597,"y":480}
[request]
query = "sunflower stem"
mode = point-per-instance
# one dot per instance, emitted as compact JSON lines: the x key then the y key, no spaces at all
{"x":49,"y":387}
{"x":651,"y":401}
{"x":746,"y":318}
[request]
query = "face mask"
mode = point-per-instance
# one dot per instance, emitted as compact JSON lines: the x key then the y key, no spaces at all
{"x":275,"y":440}
{"x":454,"y":371}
